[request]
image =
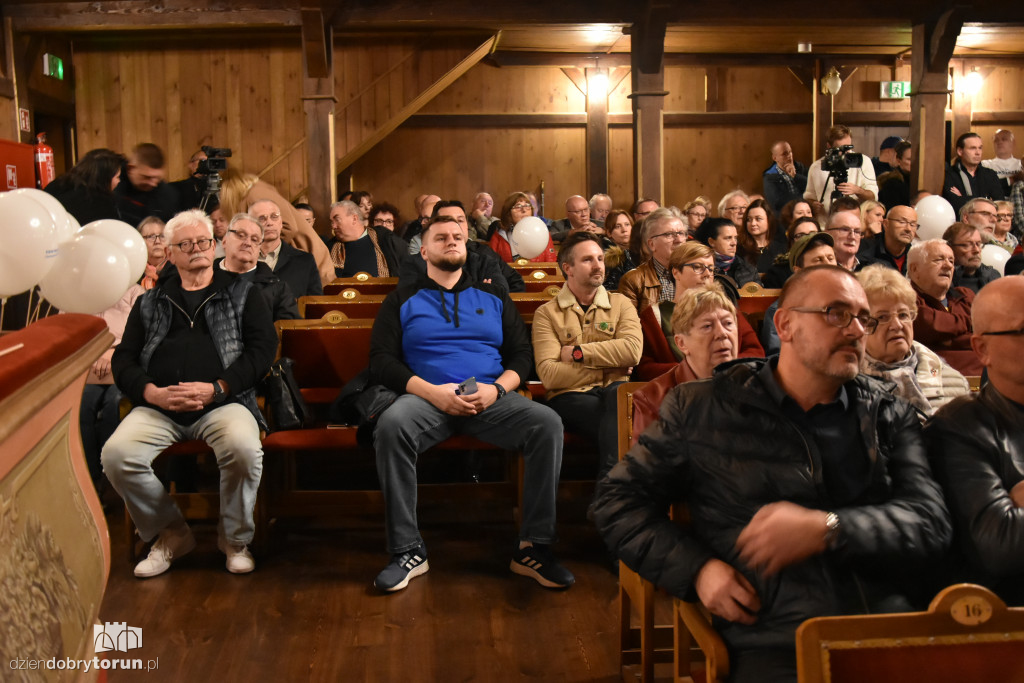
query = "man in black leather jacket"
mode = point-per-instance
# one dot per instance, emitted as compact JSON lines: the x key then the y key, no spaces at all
{"x":807,"y":484}
{"x":976,"y":444}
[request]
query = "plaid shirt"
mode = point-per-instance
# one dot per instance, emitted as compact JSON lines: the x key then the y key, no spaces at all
{"x":1017,"y":197}
{"x":668,"y":283}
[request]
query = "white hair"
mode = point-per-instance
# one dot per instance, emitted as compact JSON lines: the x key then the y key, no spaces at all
{"x":186,"y":218}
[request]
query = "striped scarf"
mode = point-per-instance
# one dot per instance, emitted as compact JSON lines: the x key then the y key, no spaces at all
{"x":338,"y":255}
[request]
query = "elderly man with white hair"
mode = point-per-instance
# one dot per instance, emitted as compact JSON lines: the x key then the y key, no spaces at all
{"x":600,"y":207}
{"x":193,"y":349}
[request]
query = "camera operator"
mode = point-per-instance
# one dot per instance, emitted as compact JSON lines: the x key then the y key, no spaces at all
{"x":190,"y":190}
{"x":825,"y":183}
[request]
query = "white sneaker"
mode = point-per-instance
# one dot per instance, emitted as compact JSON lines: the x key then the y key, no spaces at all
{"x":239,"y":558}
{"x":169,"y":546}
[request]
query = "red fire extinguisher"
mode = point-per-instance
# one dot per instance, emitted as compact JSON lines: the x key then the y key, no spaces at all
{"x":45,"y":170}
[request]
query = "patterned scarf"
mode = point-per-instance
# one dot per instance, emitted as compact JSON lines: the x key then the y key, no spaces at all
{"x":338,"y":255}
{"x":723,"y":263}
{"x":904,"y":374}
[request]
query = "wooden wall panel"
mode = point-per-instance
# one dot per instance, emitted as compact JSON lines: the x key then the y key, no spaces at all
{"x":485,"y":89}
{"x":762,"y":89}
{"x":860,"y":91}
{"x":1001,"y":90}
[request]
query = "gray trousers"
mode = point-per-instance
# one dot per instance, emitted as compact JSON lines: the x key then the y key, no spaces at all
{"x":412,"y":425}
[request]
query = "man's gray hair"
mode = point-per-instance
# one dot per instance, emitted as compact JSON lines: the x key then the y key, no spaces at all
{"x":919,"y":252}
{"x":656,"y":218}
{"x":599,"y":195}
{"x":186,"y":218}
{"x":350,"y":208}
{"x":725,"y":200}
{"x":969,"y":206}
{"x":239,"y":217}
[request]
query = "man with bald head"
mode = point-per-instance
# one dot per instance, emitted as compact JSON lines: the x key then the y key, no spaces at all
{"x":807,"y":484}
{"x":943,"y":321}
{"x":785,"y":179}
{"x":577,"y":217}
{"x":976,"y":443}
{"x":890,"y":246}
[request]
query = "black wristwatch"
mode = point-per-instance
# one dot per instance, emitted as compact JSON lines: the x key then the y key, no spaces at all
{"x":577,"y":354}
{"x":218,"y":393}
{"x":501,"y":390}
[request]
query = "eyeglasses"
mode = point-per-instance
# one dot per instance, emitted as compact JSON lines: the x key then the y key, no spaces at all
{"x":263,"y":220}
{"x":737,"y":208}
{"x":697,"y":214}
{"x":255,"y":239}
{"x":159,"y":237}
{"x":987,"y":214}
{"x":188,"y":246}
{"x":522,"y":206}
{"x":384,"y":221}
{"x":699,"y":268}
{"x":904,"y":221}
{"x":846,"y":231}
{"x":1004,"y":216}
{"x":903,"y":317}
{"x":841,"y":318}
{"x":674,"y":234}
{"x":1005,"y":333}
{"x":967,"y":245}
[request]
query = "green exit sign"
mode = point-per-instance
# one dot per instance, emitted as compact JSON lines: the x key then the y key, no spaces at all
{"x":53,"y":66}
{"x":895,"y":90}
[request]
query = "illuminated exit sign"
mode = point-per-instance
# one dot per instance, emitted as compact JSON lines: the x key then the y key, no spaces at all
{"x":895,"y":90}
{"x":53,"y":66}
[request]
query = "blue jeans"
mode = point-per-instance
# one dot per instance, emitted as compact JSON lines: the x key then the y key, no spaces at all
{"x":232,"y":434}
{"x":412,"y":425}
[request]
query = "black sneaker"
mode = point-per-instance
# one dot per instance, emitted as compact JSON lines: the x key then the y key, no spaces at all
{"x":540,"y":564}
{"x":403,"y":567}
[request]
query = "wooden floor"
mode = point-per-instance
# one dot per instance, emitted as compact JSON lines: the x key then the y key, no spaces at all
{"x":309,"y":613}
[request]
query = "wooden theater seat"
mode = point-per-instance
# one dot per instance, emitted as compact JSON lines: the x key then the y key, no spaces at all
{"x":354,"y":306}
{"x":967,"y":634}
{"x":362,"y":284}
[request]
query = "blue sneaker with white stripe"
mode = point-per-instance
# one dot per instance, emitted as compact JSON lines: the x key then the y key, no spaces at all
{"x":403,"y":567}
{"x":539,"y":564}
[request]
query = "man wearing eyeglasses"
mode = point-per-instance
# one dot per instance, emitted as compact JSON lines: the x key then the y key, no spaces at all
{"x":192,"y":352}
{"x":294,"y":266}
{"x":890,"y":247}
{"x":807,"y":483}
{"x":242,"y":241}
{"x":585,"y":343}
{"x":966,"y":177}
{"x":577,"y":217}
{"x":845,"y":229}
{"x":976,"y":444}
{"x":943,"y":321}
{"x":651,"y":281}
{"x":967,"y":242}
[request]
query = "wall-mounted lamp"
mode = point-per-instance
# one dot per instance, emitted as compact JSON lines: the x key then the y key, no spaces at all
{"x":972,"y":82}
{"x":597,"y":84}
{"x":831,"y":83}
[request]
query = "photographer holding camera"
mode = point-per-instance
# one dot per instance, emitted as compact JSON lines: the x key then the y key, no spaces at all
{"x":840,"y":172}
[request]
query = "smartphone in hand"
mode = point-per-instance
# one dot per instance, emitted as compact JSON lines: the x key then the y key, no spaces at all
{"x":466,"y":387}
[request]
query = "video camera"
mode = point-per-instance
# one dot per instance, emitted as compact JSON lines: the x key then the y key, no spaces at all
{"x":838,"y":161}
{"x":215,"y":162}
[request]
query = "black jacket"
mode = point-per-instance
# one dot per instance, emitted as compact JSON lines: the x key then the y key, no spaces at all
{"x":276,"y":292}
{"x":976,"y":445}
{"x":134,"y":204}
{"x":777,"y":191}
{"x":872,"y":250}
{"x":725,"y":448}
{"x":981,"y":277}
{"x":985,"y":183}
{"x":742,"y":272}
{"x":298,"y":269}
{"x":482,"y":264}
{"x":85,"y":206}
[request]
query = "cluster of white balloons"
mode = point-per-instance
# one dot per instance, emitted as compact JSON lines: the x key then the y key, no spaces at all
{"x":530,"y":237}
{"x":78,"y":269}
{"x":935,"y":214}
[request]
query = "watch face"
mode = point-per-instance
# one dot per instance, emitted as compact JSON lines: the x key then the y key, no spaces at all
{"x":577,"y":354}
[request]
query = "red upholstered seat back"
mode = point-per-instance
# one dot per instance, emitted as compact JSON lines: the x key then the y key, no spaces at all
{"x":327,"y":356}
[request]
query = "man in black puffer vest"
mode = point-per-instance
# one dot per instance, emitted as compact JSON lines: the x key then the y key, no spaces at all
{"x":193,"y":349}
{"x":807,"y":484}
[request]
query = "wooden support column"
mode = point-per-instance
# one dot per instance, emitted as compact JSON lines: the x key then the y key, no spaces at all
{"x":931,"y":48}
{"x":597,"y":131}
{"x":961,"y":103}
{"x":648,"y":77}
{"x":822,"y":104}
{"x":318,"y":102}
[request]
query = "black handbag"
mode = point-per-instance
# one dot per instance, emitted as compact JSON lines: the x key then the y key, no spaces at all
{"x":287,"y":408}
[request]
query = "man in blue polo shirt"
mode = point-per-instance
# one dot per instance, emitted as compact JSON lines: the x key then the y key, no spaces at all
{"x":456,"y":350}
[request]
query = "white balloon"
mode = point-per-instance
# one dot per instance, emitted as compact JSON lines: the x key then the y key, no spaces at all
{"x":27,"y":247}
{"x":61,"y":218}
{"x":934,"y":215}
{"x":89,"y":275}
{"x":130,"y":241}
{"x":530,"y":237}
{"x":995,"y":256}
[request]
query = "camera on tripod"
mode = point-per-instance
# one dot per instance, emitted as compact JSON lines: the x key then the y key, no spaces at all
{"x":215,"y":162}
{"x":838,"y":161}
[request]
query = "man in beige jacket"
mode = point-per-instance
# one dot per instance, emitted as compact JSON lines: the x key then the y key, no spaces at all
{"x":585,"y":343}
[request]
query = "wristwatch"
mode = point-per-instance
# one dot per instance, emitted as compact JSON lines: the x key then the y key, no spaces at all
{"x":577,"y":354}
{"x":218,"y":393}
{"x":501,"y":390}
{"x":831,"y":530}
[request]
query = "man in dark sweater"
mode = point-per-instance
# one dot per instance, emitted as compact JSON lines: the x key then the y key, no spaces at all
{"x":142,"y":191}
{"x":967,"y":178}
{"x":456,"y":351}
{"x":192,"y":352}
